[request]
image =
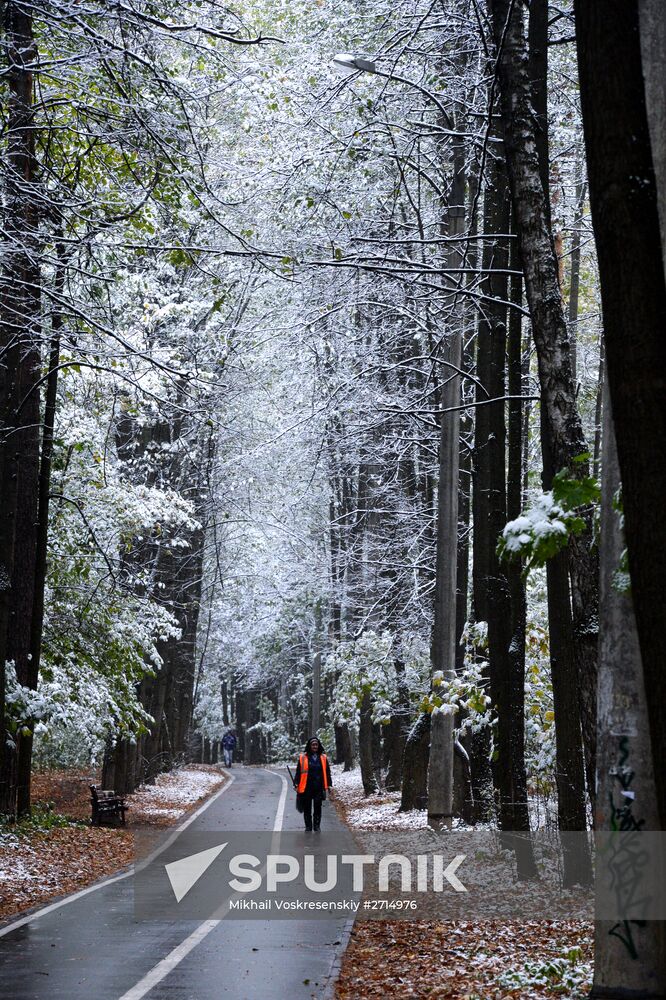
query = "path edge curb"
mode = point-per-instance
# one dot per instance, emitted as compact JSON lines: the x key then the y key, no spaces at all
{"x":328,"y":992}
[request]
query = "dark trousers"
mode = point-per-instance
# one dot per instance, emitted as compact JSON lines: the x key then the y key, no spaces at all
{"x":312,"y":809}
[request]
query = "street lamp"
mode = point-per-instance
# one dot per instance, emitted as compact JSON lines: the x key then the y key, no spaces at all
{"x":346,"y":64}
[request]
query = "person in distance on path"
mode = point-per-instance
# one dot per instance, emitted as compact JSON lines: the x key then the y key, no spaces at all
{"x":228,"y":747}
{"x":312,"y":781}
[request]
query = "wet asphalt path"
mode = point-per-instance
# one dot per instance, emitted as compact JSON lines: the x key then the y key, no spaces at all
{"x":92,"y":948}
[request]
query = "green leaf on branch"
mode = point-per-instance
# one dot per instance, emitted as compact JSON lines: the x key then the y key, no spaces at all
{"x":545,"y":528}
{"x":573,"y":492}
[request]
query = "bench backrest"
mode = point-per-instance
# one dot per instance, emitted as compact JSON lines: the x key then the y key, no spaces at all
{"x":99,"y":794}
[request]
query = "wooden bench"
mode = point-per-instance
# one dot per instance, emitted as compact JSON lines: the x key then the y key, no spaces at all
{"x":106,"y":806}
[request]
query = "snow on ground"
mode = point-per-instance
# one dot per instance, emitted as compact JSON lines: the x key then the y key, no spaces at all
{"x":173,"y":793}
{"x":374,"y":812}
{"x":162,"y":811}
{"x":38,"y":864}
{"x":16,"y":869}
{"x":36,"y":867}
{"x":381,"y":811}
{"x":532,"y":960}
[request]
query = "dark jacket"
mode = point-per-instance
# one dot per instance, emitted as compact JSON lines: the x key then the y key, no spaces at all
{"x":229,"y":741}
{"x":315,"y":779}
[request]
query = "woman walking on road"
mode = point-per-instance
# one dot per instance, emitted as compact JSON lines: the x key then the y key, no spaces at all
{"x":312,"y":781}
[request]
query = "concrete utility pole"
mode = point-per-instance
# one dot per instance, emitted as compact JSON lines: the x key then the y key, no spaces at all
{"x":626,"y":794}
{"x":443,"y":650}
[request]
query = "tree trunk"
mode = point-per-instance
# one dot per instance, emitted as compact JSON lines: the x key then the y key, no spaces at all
{"x":225,"y":702}
{"x":624,"y":201}
{"x":186,"y":589}
{"x":394,"y":744}
{"x":598,"y":411}
{"x":19,"y":356}
{"x":570,"y":769}
{"x":119,"y":768}
{"x":463,"y":796}
{"x":574,"y":272}
{"x":440,"y":778}
{"x":396,"y":732}
{"x":492,"y":329}
{"x":480,"y":742}
{"x":520,"y":821}
{"x":464,"y":511}
{"x":462,"y":778}
{"x":508,"y":765}
{"x":415,"y":766}
{"x":241,"y":723}
{"x":343,"y":746}
{"x":252,"y":740}
{"x":365,"y":746}
{"x":443,"y":647}
{"x":26,"y":442}
{"x":562,"y":433}
{"x":377,"y":753}
{"x":41,"y":543}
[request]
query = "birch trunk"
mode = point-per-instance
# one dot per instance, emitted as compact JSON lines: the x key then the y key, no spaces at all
{"x":562,"y":433}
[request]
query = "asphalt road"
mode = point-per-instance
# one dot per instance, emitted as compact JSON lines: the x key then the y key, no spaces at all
{"x":91,"y":947}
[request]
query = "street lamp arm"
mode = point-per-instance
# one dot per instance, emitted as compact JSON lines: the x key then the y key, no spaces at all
{"x":349,"y":64}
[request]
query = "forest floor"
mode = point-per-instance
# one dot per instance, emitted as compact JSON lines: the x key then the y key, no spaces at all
{"x":424,"y":960}
{"x":57,"y":851}
{"x":372,"y":812}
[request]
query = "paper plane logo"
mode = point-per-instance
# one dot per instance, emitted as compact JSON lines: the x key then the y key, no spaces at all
{"x":186,"y":872}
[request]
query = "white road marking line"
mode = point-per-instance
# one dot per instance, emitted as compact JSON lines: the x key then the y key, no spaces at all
{"x":182,"y":950}
{"x":279,"y":815}
{"x":183,"y":826}
{"x":114,"y":878}
{"x":174,"y":958}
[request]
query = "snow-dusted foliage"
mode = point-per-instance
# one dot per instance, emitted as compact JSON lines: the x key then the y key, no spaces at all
{"x":249,"y":273}
{"x":545,"y":527}
{"x":378,"y":665}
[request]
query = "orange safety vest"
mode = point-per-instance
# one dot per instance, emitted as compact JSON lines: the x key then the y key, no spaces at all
{"x":303,"y":778}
